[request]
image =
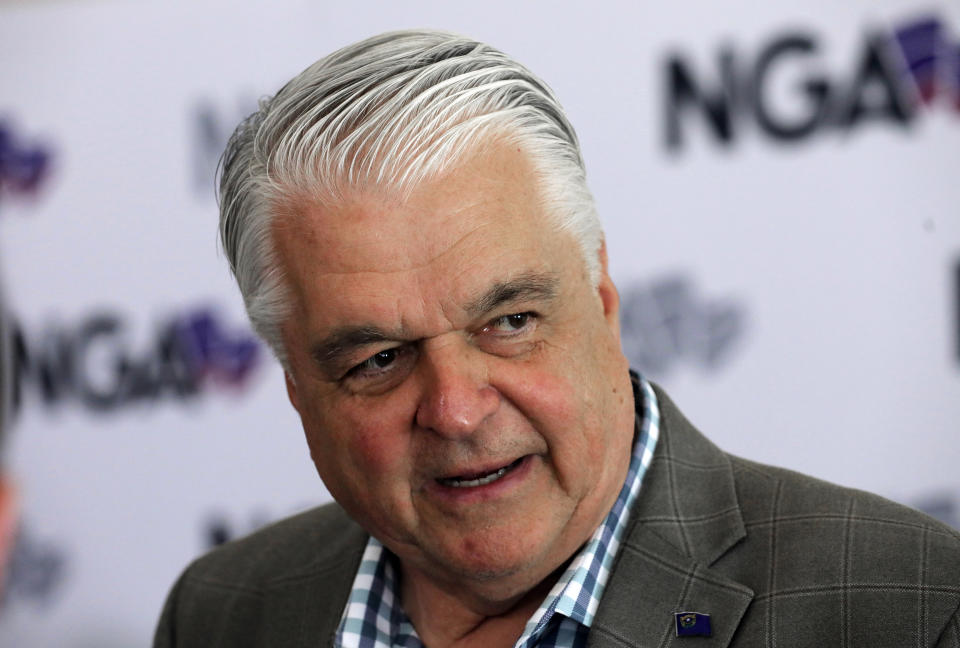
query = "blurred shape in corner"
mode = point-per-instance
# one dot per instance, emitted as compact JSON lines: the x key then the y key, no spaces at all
{"x":8,"y":499}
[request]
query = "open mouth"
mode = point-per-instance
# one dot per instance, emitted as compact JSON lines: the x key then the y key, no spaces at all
{"x":471,"y":481}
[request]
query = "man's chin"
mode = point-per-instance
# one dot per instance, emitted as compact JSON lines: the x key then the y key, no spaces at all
{"x":495,"y":573}
{"x":484,"y":571}
{"x":492,"y":586}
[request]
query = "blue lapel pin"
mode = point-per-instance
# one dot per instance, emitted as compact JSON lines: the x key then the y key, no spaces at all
{"x":693,"y":624}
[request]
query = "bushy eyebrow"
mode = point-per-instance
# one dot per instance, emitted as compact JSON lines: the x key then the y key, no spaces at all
{"x":539,"y":287}
{"x":342,"y":341}
{"x":329,"y":352}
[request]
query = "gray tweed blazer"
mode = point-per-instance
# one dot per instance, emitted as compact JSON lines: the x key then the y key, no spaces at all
{"x":774,"y":557}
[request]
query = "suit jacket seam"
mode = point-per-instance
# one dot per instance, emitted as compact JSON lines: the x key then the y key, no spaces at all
{"x":922,"y":626}
{"x":305,"y":575}
{"x":789,"y":592}
{"x":771,"y":612}
{"x":681,"y":601}
{"x":801,"y":517}
{"x":740,"y":464}
{"x":674,"y":493}
{"x":202,"y":581}
{"x":266,"y":587}
{"x":709,"y":517}
{"x":613,"y":635}
{"x":699,"y":574}
{"x":706,"y":467}
{"x":846,"y":566}
{"x":954,"y":621}
{"x":354,"y":557}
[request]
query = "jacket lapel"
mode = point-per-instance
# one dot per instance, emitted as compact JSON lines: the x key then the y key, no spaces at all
{"x":305,"y":611}
{"x":686,"y":517}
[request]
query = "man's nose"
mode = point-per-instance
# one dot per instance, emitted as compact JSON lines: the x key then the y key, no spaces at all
{"x":456,"y":392}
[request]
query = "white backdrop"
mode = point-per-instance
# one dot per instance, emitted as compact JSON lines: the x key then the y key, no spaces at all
{"x":799,"y":299}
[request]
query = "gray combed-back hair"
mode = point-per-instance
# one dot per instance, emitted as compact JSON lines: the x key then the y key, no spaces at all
{"x":384,"y":115}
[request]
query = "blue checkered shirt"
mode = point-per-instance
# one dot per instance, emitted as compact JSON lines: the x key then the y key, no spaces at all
{"x":374,"y":617}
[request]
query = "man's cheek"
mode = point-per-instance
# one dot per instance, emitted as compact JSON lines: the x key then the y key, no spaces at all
{"x":376,"y":451}
{"x":355,"y":449}
{"x":540,"y":392}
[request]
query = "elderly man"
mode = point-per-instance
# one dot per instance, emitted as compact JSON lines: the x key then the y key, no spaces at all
{"x":410,"y":227}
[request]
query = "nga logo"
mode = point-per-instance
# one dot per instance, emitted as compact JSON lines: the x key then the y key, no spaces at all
{"x":92,"y":362}
{"x":896,"y":72}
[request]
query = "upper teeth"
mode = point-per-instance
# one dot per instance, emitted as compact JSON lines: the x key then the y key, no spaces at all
{"x":479,"y":481}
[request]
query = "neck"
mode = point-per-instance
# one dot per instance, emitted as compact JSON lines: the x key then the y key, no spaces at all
{"x":453,"y":616}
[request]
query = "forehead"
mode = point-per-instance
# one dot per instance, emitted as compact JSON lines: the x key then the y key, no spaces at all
{"x":373,"y":257}
{"x":493,"y":189}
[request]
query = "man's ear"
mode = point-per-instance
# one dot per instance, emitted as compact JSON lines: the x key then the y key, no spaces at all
{"x":291,"y":390}
{"x":609,"y":296}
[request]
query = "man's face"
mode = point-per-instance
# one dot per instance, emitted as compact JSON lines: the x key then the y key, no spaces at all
{"x":459,"y":378}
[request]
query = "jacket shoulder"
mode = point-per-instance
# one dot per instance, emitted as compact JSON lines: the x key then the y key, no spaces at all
{"x":818,"y":564}
{"x":771,"y":495}
{"x":298,"y":546}
{"x":287,"y":584}
{"x":818,"y":550}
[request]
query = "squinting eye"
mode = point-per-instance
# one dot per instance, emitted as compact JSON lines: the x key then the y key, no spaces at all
{"x":376,"y":363}
{"x":381,"y":371}
{"x":380,"y":360}
{"x":510,"y":323}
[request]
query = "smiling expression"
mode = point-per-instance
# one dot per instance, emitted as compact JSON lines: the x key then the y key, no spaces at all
{"x":458,"y":375}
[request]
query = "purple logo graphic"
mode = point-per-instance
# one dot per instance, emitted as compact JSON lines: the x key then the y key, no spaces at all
{"x":213,"y":354}
{"x":892,"y":76}
{"x":23,"y":166}
{"x":931,"y":60}
{"x":93,"y":363}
